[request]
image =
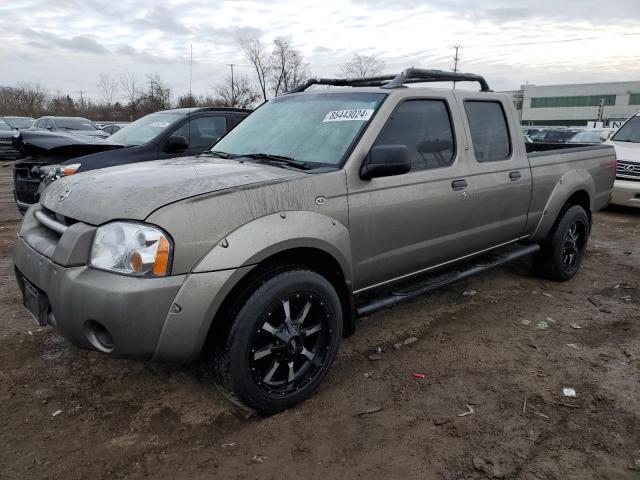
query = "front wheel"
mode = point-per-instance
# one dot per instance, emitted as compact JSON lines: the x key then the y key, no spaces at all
{"x":564,"y":249}
{"x":282,"y":341}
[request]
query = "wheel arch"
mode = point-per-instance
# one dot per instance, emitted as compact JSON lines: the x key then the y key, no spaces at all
{"x":575,"y":187}
{"x":312,"y":258}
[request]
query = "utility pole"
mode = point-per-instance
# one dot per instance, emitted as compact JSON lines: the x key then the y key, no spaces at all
{"x":456,"y":59}
{"x":233,"y":89}
{"x":82,"y":92}
{"x":601,"y":110}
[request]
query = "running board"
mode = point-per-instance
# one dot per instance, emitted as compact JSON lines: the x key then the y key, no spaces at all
{"x":411,"y":289}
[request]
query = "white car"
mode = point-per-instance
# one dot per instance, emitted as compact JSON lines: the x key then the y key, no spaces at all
{"x":626,"y":189}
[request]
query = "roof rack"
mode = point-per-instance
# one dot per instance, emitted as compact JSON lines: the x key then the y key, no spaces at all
{"x":410,"y":75}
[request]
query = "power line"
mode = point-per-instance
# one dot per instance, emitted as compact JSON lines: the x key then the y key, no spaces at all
{"x":566,"y":40}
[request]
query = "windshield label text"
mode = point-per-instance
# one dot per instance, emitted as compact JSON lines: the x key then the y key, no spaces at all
{"x":361,"y":114}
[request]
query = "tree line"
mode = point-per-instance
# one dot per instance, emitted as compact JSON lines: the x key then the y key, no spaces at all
{"x":127,"y":98}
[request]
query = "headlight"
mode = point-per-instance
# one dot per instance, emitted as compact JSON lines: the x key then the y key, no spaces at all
{"x":51,"y":173}
{"x":131,"y":249}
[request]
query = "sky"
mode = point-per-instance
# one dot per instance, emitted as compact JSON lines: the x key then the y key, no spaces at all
{"x":66,"y":44}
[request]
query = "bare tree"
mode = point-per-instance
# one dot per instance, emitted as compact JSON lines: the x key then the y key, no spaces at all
{"x":108,"y":88}
{"x":131,"y":90}
{"x":361,"y":66}
{"x":237,"y":92}
{"x":288,"y":68}
{"x":254,"y":52}
{"x":157,"y":94}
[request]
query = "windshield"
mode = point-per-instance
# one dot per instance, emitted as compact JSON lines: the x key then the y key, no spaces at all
{"x":586,"y":137}
{"x":4,"y":125}
{"x":19,"y":122}
{"x":145,"y":129}
{"x":74,"y":124}
{"x":629,"y":132}
{"x":311,"y":127}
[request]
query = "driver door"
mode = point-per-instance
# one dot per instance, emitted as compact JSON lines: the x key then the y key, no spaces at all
{"x":406,"y":223}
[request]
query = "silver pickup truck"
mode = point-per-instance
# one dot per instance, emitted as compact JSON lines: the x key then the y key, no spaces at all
{"x":323,"y":206}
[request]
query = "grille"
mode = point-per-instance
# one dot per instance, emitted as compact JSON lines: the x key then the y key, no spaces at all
{"x":26,"y":185}
{"x":628,"y":170}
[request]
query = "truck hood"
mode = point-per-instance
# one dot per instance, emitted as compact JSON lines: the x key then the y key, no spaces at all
{"x":134,"y":191}
{"x":55,"y":147}
{"x":627,"y":151}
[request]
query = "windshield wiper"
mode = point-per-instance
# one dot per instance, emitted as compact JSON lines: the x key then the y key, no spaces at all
{"x":279,"y":159}
{"x":217,"y":153}
{"x":628,"y":141}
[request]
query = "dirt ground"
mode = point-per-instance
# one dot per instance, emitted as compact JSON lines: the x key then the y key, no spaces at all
{"x":503,"y":355}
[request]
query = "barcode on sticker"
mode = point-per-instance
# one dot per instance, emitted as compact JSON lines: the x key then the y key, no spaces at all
{"x":362,"y":114}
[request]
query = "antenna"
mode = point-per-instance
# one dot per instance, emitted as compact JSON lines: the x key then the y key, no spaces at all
{"x":190,"y":75}
{"x":190,"y":95}
{"x":233,"y":90}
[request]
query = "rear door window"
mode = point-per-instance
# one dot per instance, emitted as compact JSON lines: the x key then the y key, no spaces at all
{"x":424,"y":126}
{"x":489,"y":131}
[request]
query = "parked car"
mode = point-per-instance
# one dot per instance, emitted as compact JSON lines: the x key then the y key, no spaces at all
{"x":167,"y":134}
{"x":19,"y":123}
{"x":71,"y":125}
{"x":590,"y":135}
{"x":553,"y":135}
{"x":626,"y":141}
{"x":530,"y":130}
{"x":112,"y":128}
{"x":7,"y":151}
{"x":322,"y":206}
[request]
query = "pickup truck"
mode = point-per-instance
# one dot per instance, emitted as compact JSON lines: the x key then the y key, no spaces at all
{"x":322,"y":206}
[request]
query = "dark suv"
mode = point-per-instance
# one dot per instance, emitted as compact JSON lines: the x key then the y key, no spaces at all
{"x":171,"y":133}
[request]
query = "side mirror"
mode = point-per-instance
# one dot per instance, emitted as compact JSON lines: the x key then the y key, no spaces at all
{"x":604,"y":136}
{"x":49,"y":127}
{"x":175,"y":144}
{"x":385,"y":161}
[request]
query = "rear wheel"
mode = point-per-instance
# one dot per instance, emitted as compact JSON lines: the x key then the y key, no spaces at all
{"x":282,"y":341}
{"x":563,"y":250}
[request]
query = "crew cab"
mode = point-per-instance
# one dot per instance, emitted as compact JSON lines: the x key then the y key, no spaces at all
{"x":322,"y":206}
{"x":179,"y":132}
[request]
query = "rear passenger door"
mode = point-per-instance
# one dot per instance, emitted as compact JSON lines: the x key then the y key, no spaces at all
{"x":405,"y":223}
{"x":500,"y":170}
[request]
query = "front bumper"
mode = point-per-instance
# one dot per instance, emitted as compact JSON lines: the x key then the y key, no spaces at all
{"x":626,"y":193}
{"x":164,"y":320}
{"x":132,"y":310}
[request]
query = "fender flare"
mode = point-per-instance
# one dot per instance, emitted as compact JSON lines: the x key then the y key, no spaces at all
{"x":573,"y":181}
{"x":263,"y":237}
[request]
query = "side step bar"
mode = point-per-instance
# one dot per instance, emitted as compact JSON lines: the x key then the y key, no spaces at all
{"x":411,"y":289}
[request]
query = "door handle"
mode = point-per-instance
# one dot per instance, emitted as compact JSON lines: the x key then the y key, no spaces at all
{"x":459,"y":185}
{"x":515,"y":176}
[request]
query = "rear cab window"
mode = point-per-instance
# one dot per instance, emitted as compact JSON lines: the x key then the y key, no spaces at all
{"x":489,"y":130}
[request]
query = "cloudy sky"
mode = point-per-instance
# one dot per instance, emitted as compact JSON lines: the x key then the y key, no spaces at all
{"x":66,"y":44}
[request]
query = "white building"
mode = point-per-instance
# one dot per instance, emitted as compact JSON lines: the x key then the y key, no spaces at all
{"x":577,"y":104}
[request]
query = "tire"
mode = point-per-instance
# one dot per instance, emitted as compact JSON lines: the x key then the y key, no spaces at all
{"x":283,"y":338}
{"x":563,"y":250}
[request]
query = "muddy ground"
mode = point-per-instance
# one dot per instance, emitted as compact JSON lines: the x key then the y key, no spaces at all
{"x":515,"y":341}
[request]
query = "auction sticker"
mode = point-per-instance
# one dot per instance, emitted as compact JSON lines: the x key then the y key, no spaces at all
{"x":362,"y":114}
